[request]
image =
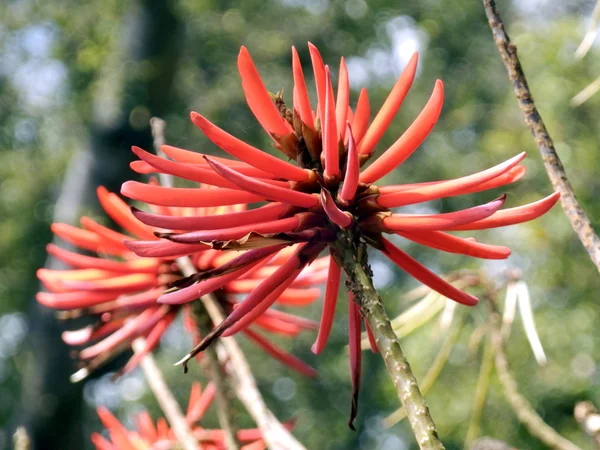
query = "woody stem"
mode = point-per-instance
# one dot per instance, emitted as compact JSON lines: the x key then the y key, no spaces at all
{"x":351,"y":253}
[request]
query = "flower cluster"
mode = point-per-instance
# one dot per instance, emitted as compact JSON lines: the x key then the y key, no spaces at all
{"x":151,"y":436}
{"x":325,"y":192}
{"x":120,"y":289}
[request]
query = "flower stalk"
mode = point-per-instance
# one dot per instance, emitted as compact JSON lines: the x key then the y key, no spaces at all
{"x":351,"y":254}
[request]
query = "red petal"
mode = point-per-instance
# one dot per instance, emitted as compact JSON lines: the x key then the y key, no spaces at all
{"x":446,"y":188}
{"x":454,"y":244}
{"x":330,"y":132}
{"x":342,"y":100}
{"x":360,"y":121}
{"x":335,"y":214}
{"x":258,"y":98}
{"x":350,"y":185}
{"x":163,"y":249}
{"x":319,"y":71}
{"x":390,"y":108}
{"x":512,"y":216}
{"x":409,"y":141}
{"x":193,"y":197}
{"x":445,"y":221}
{"x":268,"y":212}
{"x":279,"y":354}
{"x":371,"y":337}
{"x":303,"y":103}
{"x":245,"y":152}
{"x":425,"y":276}
{"x":119,"y":211}
{"x":90,"y":262}
{"x":277,"y":226}
{"x":331,"y":295}
{"x":265,"y":190}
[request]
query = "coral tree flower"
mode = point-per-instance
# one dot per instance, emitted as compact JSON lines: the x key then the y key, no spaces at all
{"x":120,"y":289}
{"x":156,"y":436}
{"x":328,"y":186}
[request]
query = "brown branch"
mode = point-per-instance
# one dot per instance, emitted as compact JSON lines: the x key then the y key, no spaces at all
{"x":352,"y":257}
{"x":556,"y":172}
{"x":231,"y":357}
{"x":523,"y":409}
{"x":165,"y":399}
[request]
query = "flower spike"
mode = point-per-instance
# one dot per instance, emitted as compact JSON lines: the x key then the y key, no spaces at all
{"x":409,"y":141}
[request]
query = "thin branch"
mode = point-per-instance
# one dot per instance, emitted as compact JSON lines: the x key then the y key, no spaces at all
{"x":276,"y":436}
{"x":21,"y":439}
{"x":556,"y":172}
{"x":212,"y":366}
{"x":590,"y":34}
{"x":523,"y":409}
{"x":481,"y":392}
{"x":165,"y":399}
{"x":352,"y":257}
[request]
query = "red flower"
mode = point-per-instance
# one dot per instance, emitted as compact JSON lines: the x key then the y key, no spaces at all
{"x":120,"y":289}
{"x":148,"y":435}
{"x":326,"y":191}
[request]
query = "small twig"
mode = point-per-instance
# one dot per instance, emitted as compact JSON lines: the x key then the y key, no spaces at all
{"x":481,"y":392}
{"x":586,"y":93}
{"x":212,"y":366}
{"x":590,"y":34}
{"x":351,"y":255}
{"x":589,"y":418}
{"x":21,"y":439}
{"x":165,"y":399}
{"x":276,"y":436}
{"x":556,"y":172}
{"x":523,"y":409}
{"x":487,"y":443}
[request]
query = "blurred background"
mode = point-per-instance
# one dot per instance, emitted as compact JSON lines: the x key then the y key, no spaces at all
{"x":79,"y":82}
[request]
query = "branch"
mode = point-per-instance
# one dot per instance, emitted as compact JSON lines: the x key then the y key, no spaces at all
{"x":165,"y":399}
{"x":556,"y":172}
{"x":276,"y":436}
{"x":523,"y":409}
{"x":352,"y":257}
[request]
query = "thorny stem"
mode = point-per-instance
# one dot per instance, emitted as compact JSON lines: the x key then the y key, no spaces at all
{"x":556,"y":172}
{"x":351,"y":254}
{"x":523,"y":409}
{"x":225,"y":410}
{"x":275,"y":435}
{"x":165,"y":399}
